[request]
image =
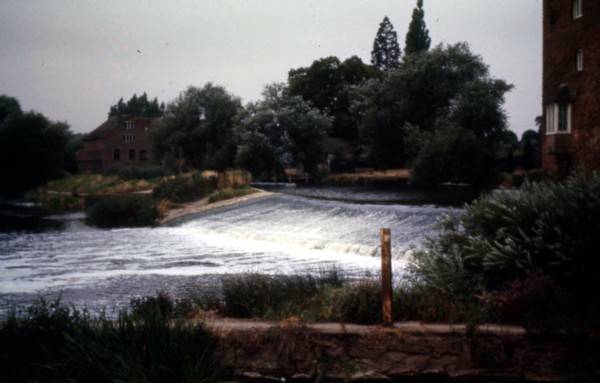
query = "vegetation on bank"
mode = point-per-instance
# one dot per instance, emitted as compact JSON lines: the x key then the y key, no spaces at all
{"x":129,"y":210}
{"x":185,"y":187}
{"x":52,"y":343}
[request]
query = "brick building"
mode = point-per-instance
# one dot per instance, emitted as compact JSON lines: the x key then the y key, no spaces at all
{"x":119,"y":141}
{"x":571,"y":85}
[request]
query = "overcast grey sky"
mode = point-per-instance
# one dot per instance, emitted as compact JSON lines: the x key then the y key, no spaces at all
{"x":72,"y":59}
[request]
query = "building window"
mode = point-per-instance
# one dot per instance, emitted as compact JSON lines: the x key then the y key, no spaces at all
{"x":128,"y":125}
{"x":117,"y":155}
{"x":558,"y":118}
{"x":131,"y":154}
{"x":577,"y":12}
{"x":129,"y":138}
{"x":579,"y":60}
{"x":143,"y":155}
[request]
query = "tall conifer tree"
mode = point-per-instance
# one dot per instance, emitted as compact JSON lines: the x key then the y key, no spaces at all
{"x":386,"y":51}
{"x":417,"y":38}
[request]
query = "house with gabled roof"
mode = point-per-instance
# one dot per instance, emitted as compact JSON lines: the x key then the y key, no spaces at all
{"x":118,"y":142}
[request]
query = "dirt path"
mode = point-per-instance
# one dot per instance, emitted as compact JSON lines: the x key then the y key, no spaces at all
{"x":203,"y":205}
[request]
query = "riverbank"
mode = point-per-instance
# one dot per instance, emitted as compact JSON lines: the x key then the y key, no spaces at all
{"x":203,"y":205}
{"x":408,"y":351}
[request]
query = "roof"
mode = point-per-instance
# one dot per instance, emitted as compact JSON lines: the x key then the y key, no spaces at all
{"x":112,"y":123}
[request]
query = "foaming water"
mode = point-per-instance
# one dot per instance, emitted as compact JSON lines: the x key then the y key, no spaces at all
{"x":277,"y":234}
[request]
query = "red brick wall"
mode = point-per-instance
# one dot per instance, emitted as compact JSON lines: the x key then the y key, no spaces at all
{"x":98,"y":153}
{"x":563,"y":36}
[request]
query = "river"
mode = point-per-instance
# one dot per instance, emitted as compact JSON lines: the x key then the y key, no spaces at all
{"x":298,"y":230}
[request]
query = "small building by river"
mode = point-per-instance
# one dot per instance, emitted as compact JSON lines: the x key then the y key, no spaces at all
{"x":120,"y":141}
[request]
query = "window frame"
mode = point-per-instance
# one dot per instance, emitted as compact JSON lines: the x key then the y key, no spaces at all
{"x":129,"y":125}
{"x":131,"y":154}
{"x":577,"y":9}
{"x":116,"y":155}
{"x":579,"y":60}
{"x":555,"y":113}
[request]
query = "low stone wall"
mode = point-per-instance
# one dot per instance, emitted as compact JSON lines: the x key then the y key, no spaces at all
{"x":407,"y":352}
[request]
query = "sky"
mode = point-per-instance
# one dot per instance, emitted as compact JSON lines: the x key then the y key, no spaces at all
{"x":72,"y":59}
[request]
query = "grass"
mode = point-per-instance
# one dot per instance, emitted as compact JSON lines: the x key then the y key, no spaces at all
{"x":52,"y":343}
{"x":99,"y":184}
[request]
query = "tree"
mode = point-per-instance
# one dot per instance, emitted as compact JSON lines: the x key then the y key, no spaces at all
{"x":530,"y":147}
{"x":33,"y":150}
{"x":283,"y":130}
{"x":8,"y":105}
{"x":386,"y":51}
{"x":417,"y":38}
{"x":448,"y":84}
{"x":198,"y":128}
{"x":137,"y":107}
{"x":325,"y":84}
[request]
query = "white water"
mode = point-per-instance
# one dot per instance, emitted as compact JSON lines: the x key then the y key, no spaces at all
{"x":278,"y":234}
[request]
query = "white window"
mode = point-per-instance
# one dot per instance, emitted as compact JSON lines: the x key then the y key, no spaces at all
{"x":128,"y":125}
{"x":579,"y":60}
{"x":577,"y":12}
{"x":558,"y":118}
{"x":129,"y":138}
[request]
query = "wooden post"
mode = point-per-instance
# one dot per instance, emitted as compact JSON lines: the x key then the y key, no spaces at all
{"x":386,"y":277}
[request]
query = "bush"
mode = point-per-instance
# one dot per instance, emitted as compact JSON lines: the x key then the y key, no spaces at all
{"x":140,"y":172}
{"x":357,"y":303}
{"x":278,"y":296}
{"x":229,"y":193}
{"x":185,"y":188}
{"x":161,"y":306}
{"x":122,"y":211}
{"x":51,"y":343}
{"x":453,"y":155}
{"x":505,"y":236}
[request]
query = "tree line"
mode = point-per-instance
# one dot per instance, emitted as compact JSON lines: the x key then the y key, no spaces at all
{"x":436,"y":110}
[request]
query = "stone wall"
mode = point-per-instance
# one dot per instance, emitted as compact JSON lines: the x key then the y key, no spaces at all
{"x":408,"y":352}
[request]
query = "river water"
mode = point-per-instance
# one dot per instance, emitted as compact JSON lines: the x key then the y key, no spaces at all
{"x":295,"y":231}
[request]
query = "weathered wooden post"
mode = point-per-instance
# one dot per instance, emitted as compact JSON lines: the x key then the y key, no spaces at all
{"x":386,"y":277}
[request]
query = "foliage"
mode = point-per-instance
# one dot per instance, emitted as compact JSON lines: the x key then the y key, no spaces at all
{"x":546,"y":227}
{"x":357,"y":303}
{"x":33,"y":150}
{"x":386,"y":51}
{"x":51,"y":343}
{"x":456,"y":155}
{"x":138,"y":107}
{"x":325,"y":84}
{"x":161,"y":305}
{"x":447,"y":85}
{"x":198,"y":128}
{"x":185,"y":187}
{"x":530,"y":149}
{"x":140,"y":172}
{"x":288,"y":131}
{"x":275,"y":296}
{"x":229,"y":193}
{"x":417,"y":38}
{"x":122,"y":211}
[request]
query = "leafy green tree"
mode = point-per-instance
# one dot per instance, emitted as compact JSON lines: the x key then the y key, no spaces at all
{"x":198,"y":128}
{"x":8,"y":105}
{"x":417,"y":38}
{"x":386,"y":51}
{"x":454,"y":154}
{"x":138,"y":107}
{"x":285,"y":130}
{"x":32,"y":151}
{"x":530,"y":149}
{"x":447,"y":85}
{"x":325,"y":84}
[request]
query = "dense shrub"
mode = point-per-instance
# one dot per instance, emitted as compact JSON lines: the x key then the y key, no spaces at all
{"x":453,"y":155}
{"x":161,"y":305}
{"x":278,"y":296}
{"x":51,"y":343}
{"x":357,"y":303}
{"x":140,"y":172}
{"x":503,"y":237}
{"x":185,"y":188}
{"x":122,"y":211}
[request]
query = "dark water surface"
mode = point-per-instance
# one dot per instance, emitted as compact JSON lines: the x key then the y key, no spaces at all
{"x":297,"y":231}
